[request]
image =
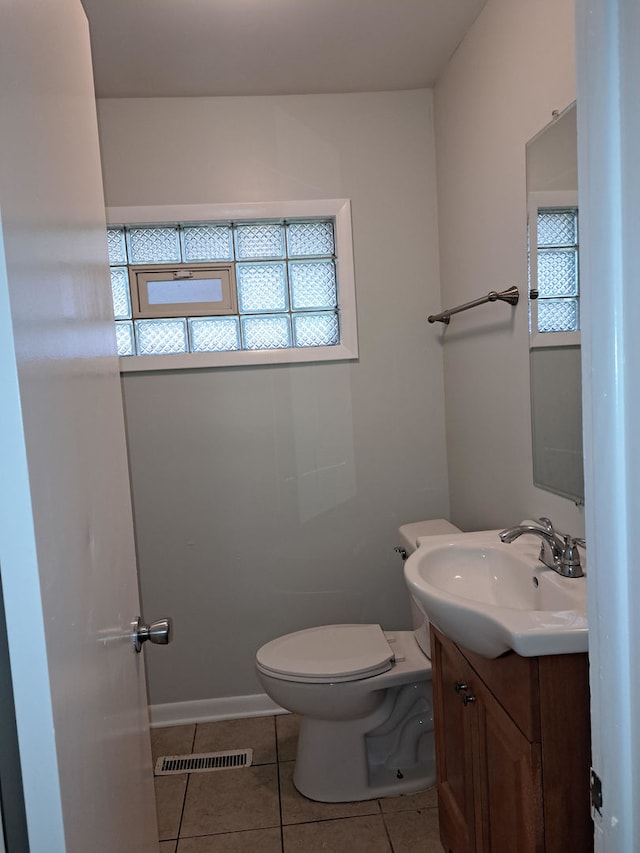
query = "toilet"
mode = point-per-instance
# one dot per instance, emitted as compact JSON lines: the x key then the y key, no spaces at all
{"x":364,"y":700}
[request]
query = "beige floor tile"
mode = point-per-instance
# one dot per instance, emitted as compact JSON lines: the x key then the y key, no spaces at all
{"x":172,"y":740}
{"x":169,"y":799}
{"x":411,"y":802}
{"x":167,"y":847}
{"x":254,"y":841}
{"x":287,"y":726}
{"x":414,"y":832}
{"x":231,"y":800}
{"x":256,"y":733}
{"x":353,"y":834}
{"x":298,"y":809}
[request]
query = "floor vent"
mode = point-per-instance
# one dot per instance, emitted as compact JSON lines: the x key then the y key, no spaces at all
{"x":203,"y":762}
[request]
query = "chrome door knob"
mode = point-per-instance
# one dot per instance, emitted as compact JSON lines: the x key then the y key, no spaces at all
{"x":160,"y":632}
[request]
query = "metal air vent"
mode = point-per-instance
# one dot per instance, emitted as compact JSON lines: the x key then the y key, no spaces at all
{"x":203,"y":762}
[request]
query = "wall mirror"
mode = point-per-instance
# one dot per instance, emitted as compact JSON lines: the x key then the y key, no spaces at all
{"x":554,"y":316}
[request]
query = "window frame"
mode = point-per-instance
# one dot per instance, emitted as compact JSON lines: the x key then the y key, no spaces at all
{"x":337,"y":209}
{"x":142,"y":308}
{"x":536,"y":201}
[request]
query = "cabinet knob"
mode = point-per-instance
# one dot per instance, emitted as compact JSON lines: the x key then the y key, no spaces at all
{"x":468,"y":698}
{"x":460,"y":686}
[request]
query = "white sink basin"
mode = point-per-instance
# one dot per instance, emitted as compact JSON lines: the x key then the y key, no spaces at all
{"x":491,"y":597}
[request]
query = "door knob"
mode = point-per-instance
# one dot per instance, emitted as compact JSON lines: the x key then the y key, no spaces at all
{"x":160,"y":632}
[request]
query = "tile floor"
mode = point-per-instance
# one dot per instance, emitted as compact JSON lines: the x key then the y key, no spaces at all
{"x":258,"y":810}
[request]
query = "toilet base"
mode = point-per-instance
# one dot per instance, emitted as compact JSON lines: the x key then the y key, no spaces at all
{"x":365,"y":759}
{"x":383,"y":783}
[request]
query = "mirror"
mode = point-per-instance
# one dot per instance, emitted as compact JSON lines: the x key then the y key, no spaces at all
{"x":554,"y":356}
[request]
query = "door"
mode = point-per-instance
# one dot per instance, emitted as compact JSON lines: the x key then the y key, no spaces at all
{"x":66,"y":541}
{"x":608,"y":70}
{"x":453,"y":678}
{"x":509,"y":779}
{"x":489,"y":774}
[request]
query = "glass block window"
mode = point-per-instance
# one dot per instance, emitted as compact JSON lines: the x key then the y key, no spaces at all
{"x":285,"y":287}
{"x":259,"y":240}
{"x":557,"y":285}
{"x":124,"y":338}
{"x":315,"y":330}
{"x":266,"y":332}
{"x":153,"y":245}
{"x":116,"y":245}
{"x":558,"y":315}
{"x":206,"y":243}
{"x":262,"y":287}
{"x":120,"y":292}
{"x":313,"y":284}
{"x":214,"y":334}
{"x":160,"y":337}
{"x":306,"y":239}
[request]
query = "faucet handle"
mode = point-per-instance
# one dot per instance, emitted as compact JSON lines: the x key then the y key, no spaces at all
{"x":546,"y":524}
{"x":570,"y":559}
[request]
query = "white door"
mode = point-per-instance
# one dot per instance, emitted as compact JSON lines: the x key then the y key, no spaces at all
{"x":608,"y":71}
{"x":66,"y":540}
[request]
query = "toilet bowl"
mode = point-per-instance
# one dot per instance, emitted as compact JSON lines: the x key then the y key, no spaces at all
{"x":364,"y":700}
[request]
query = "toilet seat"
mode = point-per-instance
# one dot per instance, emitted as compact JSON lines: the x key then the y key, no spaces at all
{"x":329,"y":653}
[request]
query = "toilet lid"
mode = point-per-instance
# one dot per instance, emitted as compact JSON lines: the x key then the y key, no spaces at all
{"x":328,"y":653}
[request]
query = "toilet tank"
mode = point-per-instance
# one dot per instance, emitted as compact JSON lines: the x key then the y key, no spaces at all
{"x":409,"y":535}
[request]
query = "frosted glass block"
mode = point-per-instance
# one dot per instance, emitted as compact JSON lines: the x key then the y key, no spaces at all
{"x":214,"y":334}
{"x":261,"y":240}
{"x":558,"y":315}
{"x":306,"y":239}
{"x":116,"y":245}
{"x":161,"y":337}
{"x":266,"y":332}
{"x":206,"y":243}
{"x":315,"y":330}
{"x":124,"y":338}
{"x":153,"y":245}
{"x":313,"y":284}
{"x":120,"y":293}
{"x":557,"y":272}
{"x":557,"y":227}
{"x":261,"y":287}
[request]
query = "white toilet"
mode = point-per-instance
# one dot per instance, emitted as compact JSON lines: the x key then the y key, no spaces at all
{"x":364,"y":699}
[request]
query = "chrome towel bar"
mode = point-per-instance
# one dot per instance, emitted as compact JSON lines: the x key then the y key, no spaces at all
{"x":510,"y":295}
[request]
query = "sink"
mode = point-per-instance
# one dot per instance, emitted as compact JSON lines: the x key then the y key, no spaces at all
{"x":492,"y":597}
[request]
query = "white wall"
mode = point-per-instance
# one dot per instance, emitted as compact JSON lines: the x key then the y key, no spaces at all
{"x":514,"y":68}
{"x":267,"y":499}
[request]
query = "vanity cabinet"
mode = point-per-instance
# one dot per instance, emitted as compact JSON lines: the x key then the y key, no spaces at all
{"x":513,"y":751}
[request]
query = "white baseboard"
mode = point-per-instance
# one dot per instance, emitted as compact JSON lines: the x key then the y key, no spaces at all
{"x":210,"y":710}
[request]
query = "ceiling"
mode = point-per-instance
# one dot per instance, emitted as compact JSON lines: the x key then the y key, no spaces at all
{"x":174,"y":48}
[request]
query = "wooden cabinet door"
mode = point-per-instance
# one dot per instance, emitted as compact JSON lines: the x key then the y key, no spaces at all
{"x":508,"y":781}
{"x":490,"y":767}
{"x":454,"y":748}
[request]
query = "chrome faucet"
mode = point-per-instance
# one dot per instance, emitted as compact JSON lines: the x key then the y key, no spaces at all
{"x":557,"y":551}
